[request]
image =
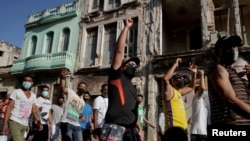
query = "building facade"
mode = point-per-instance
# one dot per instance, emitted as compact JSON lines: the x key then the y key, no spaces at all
{"x":50,"y":43}
{"x":8,"y":53}
{"x":81,"y":36}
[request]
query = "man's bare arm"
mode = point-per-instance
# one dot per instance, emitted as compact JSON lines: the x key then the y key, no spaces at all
{"x":120,"y":45}
{"x":221,"y":83}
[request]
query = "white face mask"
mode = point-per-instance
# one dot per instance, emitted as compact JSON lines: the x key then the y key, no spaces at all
{"x":236,"y":55}
{"x":45,"y":94}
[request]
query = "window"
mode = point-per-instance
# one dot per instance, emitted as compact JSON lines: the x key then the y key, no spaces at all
{"x":111,"y":5}
{"x":129,"y":1}
{"x":95,"y":6}
{"x":49,"y":42}
{"x":33,"y":45}
{"x":1,"y":53}
{"x":65,"y":40}
{"x":109,"y":43}
{"x":90,"y":50}
{"x":131,"y":48}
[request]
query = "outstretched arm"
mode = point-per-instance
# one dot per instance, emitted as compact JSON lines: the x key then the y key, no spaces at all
{"x":168,"y":92}
{"x":190,"y":88}
{"x":202,"y":83}
{"x":63,"y":74}
{"x":120,"y":45}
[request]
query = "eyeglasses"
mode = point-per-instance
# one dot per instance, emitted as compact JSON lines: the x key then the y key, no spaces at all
{"x":132,"y":64}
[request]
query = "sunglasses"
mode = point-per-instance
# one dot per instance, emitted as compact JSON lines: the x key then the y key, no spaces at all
{"x":132,"y":64}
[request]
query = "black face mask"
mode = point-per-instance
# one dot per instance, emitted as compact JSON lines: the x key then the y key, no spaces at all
{"x":130,"y":72}
{"x":80,"y":91}
{"x":229,"y":57}
{"x":60,"y":103}
{"x":86,"y":100}
{"x":180,"y":84}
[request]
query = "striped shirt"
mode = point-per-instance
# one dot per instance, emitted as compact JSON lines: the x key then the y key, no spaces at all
{"x":220,"y":111}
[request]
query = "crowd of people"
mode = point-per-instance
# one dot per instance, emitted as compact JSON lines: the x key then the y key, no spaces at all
{"x":118,"y":114}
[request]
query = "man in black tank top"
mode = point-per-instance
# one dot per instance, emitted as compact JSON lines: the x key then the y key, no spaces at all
{"x":121,"y":122}
{"x":228,"y":92}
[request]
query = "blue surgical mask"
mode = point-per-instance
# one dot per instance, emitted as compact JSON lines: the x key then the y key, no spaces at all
{"x":45,"y":94}
{"x":26,"y":85}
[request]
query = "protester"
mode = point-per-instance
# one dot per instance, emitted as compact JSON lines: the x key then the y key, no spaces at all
{"x":121,"y":121}
{"x":70,"y":126}
{"x":100,"y":108}
{"x":57,"y":112}
{"x":228,"y":92}
{"x":45,"y":115}
{"x":141,"y":116}
{"x":86,"y":123}
{"x":176,"y":86}
{"x":199,"y":112}
{"x":22,"y":103}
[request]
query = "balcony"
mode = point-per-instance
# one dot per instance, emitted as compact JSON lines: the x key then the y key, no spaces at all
{"x":44,"y":62}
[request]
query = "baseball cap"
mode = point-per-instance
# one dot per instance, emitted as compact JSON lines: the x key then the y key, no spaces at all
{"x":227,"y":42}
{"x":177,"y":75}
{"x":127,"y":59}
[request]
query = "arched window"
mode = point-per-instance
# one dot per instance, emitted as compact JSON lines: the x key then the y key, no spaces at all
{"x":49,"y":43}
{"x":33,"y":45}
{"x":65,"y":40}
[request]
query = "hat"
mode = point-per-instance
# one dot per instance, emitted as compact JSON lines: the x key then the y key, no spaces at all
{"x":227,"y":42}
{"x":127,"y":59}
{"x":177,"y":75}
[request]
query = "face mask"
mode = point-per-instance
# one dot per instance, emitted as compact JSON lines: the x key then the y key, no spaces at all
{"x":45,"y":94}
{"x":180,"y":84}
{"x":26,"y":85}
{"x":60,"y":103}
{"x":230,"y":57}
{"x":80,"y":91}
{"x":86,"y":100}
{"x":236,"y":55}
{"x":130,"y":72}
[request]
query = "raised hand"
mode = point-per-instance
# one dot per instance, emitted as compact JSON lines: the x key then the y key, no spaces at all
{"x":64,"y":72}
{"x":178,"y":61}
{"x":129,"y":22}
{"x":192,"y":67}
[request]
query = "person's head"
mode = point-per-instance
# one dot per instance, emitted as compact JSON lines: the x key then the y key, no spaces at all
{"x":86,"y":96}
{"x":61,"y":101}
{"x":226,"y":49}
{"x":179,"y":80}
{"x":139,"y":98}
{"x":27,"y":82}
{"x":81,"y":88}
{"x":175,"y":134}
{"x":129,"y":66}
{"x":45,"y":91}
{"x":104,"y":90}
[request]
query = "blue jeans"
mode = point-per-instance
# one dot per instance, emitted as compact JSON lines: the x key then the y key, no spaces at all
{"x":57,"y":132}
{"x":71,"y":132}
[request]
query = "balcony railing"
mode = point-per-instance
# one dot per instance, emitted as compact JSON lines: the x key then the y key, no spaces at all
{"x":65,"y":8}
{"x":44,"y":61}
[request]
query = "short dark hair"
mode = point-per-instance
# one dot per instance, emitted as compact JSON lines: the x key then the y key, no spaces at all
{"x":140,"y":95}
{"x":81,"y":84}
{"x":28,"y":75}
{"x":45,"y":86}
{"x":104,"y":85}
{"x":87,"y":92}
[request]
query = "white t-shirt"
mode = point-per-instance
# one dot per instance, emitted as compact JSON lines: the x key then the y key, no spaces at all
{"x":101,"y":104}
{"x":73,"y":108}
{"x":44,"y":109}
{"x":199,"y":117}
{"x":22,"y":107}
